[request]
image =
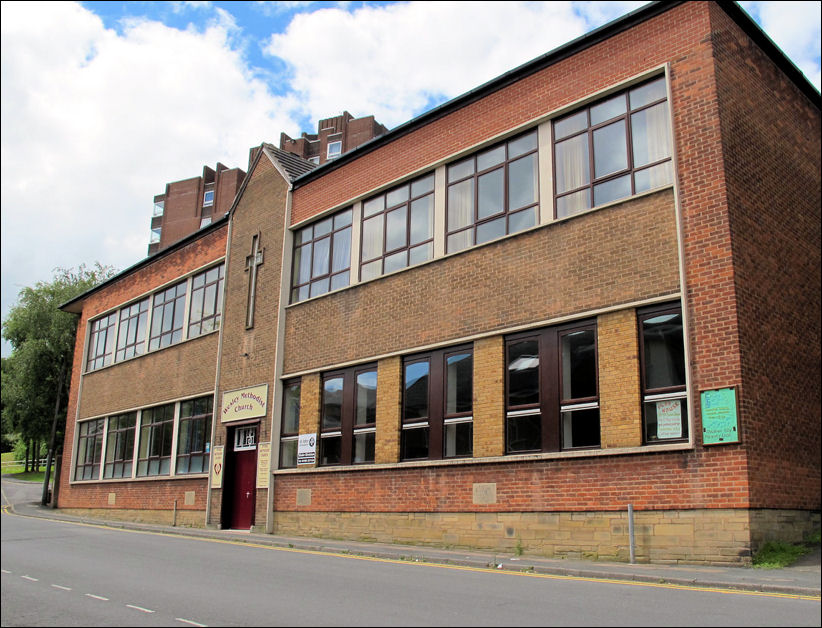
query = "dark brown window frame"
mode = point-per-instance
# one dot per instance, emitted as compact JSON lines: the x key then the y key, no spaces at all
{"x":215,"y":317}
{"x":161,"y":336}
{"x":506,"y":213}
{"x":301,"y":245}
{"x":590,"y":129}
{"x":129,"y":321}
{"x":100,"y":356}
{"x":204,"y":439}
{"x":289,"y":438}
{"x":387,"y":209}
{"x":148,"y":430}
{"x":550,"y":386}
{"x":348,"y":430}
{"x":438,"y":417}
{"x":659,"y":394}
{"x":91,"y":444}
{"x":114,"y":438}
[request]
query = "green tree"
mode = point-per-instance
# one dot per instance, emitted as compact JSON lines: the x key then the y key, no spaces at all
{"x":35,"y":376}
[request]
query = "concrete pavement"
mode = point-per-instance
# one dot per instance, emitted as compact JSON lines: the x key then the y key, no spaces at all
{"x":803,"y":578}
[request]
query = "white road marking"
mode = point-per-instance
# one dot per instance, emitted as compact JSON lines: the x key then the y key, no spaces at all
{"x":140,"y":608}
{"x":188,"y":621}
{"x":30,"y":578}
{"x":97,"y":597}
{"x":5,"y":570}
{"x":61,"y":587}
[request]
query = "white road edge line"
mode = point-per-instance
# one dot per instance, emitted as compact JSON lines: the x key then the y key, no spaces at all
{"x":97,"y":597}
{"x":140,"y":608}
{"x":59,"y":586}
{"x":188,"y":621}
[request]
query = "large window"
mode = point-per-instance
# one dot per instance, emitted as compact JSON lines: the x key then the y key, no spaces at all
{"x":156,"y":430}
{"x":120,"y":445}
{"x":290,"y":430}
{"x":493,"y":193}
{"x":437,"y":406}
{"x":613,"y":149}
{"x":131,"y":335}
{"x":89,"y":449}
{"x":322,"y":256}
{"x":349,"y":416}
{"x":194,"y":435}
{"x":664,"y":394}
{"x":101,"y":342}
{"x":206,"y":301}
{"x":167,"y":317}
{"x":398,"y":228}
{"x":552,"y":399}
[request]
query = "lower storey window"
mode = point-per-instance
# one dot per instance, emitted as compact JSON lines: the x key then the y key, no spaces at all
{"x":664,"y":393}
{"x":552,"y":392}
{"x":349,"y":416}
{"x":172,"y":439}
{"x":437,"y":410}
{"x":89,"y":450}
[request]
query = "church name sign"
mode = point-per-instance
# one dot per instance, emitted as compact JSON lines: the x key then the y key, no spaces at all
{"x":246,"y":403}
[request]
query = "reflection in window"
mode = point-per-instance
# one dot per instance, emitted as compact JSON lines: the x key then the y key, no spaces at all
{"x":322,"y":256}
{"x":550,"y":408}
{"x":206,"y":301}
{"x":613,"y":149}
{"x":289,"y":432}
{"x":493,"y":193}
{"x":167,"y":317}
{"x":349,"y":415}
{"x":665,"y":398}
{"x":437,"y":406}
{"x":89,"y":449}
{"x":398,"y":228}
{"x":156,"y":428}
{"x":101,"y":342}
{"x":120,"y":445}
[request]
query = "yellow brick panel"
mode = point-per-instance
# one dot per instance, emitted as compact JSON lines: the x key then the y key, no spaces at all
{"x":389,"y":408}
{"x":619,"y":385}
{"x":489,"y":397}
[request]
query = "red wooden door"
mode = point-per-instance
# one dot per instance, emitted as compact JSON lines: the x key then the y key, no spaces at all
{"x":243,"y":489}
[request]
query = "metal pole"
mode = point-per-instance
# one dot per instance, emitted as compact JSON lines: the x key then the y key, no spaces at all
{"x":174,"y":519}
{"x":631,"y":532}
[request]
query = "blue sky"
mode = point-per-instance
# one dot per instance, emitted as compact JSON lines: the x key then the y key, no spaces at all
{"x":103,"y":103}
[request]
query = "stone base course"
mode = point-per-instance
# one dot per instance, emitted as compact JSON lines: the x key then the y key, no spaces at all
{"x":710,"y":537}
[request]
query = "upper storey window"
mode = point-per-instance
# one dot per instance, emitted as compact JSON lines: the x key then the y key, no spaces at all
{"x":208,"y":198}
{"x":322,"y":256}
{"x":493,"y":193}
{"x":334,"y":149}
{"x":613,"y":149}
{"x":101,"y":342}
{"x":398,"y":228}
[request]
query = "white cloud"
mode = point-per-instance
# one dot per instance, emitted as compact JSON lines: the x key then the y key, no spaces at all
{"x":794,"y":27}
{"x":392,"y":61}
{"x":95,"y":123}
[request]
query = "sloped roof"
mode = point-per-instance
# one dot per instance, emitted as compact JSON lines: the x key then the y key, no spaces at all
{"x":294,"y":165}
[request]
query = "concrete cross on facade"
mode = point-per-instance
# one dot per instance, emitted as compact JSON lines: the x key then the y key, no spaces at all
{"x":252,"y":263}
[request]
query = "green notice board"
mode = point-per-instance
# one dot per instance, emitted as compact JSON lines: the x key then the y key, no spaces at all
{"x":719,"y":422}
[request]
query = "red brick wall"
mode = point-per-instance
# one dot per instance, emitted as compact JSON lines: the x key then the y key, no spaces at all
{"x":152,"y":378}
{"x":654,"y":481}
{"x":771,"y":143}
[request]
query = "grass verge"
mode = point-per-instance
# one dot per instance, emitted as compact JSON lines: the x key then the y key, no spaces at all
{"x":779,"y":554}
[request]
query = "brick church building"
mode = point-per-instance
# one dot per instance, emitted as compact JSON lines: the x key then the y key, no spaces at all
{"x":602,"y":290}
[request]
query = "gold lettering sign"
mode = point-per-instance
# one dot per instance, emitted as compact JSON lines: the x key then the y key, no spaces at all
{"x":246,"y":403}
